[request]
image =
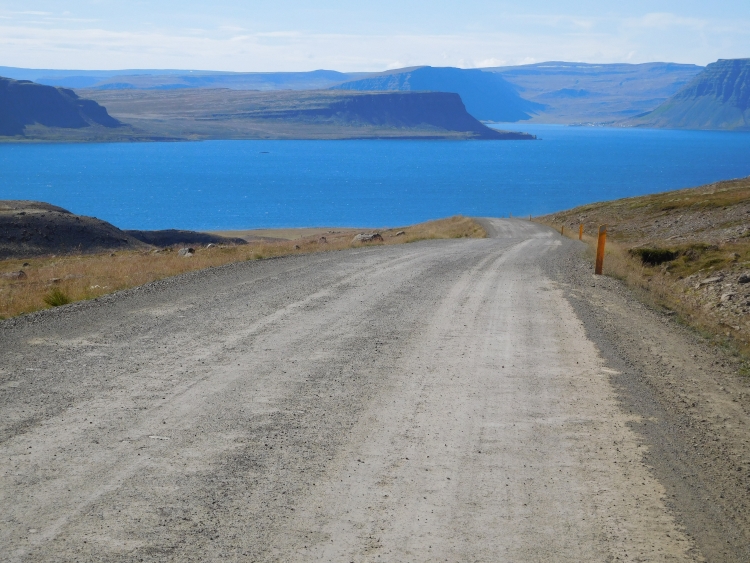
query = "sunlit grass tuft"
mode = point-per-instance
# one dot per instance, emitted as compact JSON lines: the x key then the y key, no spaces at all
{"x":56,"y":298}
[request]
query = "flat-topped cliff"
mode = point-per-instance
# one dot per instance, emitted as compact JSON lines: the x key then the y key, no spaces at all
{"x":308,"y":114}
{"x":487,"y":95}
{"x":24,"y":103}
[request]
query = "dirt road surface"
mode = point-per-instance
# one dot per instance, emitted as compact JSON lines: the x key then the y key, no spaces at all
{"x":438,"y":401}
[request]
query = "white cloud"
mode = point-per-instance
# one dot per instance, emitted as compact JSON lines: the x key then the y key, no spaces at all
{"x":665,"y":21}
{"x":490,"y":63}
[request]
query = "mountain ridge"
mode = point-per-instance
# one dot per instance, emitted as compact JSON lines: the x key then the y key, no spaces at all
{"x":718,"y":98}
{"x":487,"y":96}
{"x":605,"y":93}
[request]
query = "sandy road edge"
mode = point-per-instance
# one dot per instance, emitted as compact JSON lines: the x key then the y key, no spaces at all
{"x":693,"y":404}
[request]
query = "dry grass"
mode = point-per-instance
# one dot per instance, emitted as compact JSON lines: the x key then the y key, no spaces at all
{"x":699,"y":233}
{"x":53,"y":280}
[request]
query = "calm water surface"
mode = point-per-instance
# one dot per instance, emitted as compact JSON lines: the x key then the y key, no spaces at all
{"x":246,"y":184}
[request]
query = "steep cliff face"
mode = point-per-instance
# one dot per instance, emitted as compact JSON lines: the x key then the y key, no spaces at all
{"x":718,"y":98}
{"x":309,"y":114}
{"x":440,"y":111}
{"x":488,"y":96}
{"x":25,"y":103}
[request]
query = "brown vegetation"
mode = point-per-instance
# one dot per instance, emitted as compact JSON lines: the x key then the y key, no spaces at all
{"x":56,"y":280}
{"x":685,"y":250}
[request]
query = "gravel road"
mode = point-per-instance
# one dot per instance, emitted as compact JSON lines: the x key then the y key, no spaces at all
{"x":436,"y":401}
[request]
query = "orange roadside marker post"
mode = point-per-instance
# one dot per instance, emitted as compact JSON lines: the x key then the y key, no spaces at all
{"x":580,"y":231}
{"x":600,"y":250}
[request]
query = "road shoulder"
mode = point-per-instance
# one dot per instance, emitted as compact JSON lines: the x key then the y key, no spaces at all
{"x":692,"y":403}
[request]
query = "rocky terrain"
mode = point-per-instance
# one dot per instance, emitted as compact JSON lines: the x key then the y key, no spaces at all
{"x":24,"y":103}
{"x":718,"y":98}
{"x":32,"y":228}
{"x":170,"y":237}
{"x":690,"y":247}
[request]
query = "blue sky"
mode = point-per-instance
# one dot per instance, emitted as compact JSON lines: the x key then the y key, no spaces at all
{"x":291,"y":35}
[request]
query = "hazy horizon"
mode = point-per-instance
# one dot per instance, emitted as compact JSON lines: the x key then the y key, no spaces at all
{"x":292,"y":36}
{"x":343,"y":71}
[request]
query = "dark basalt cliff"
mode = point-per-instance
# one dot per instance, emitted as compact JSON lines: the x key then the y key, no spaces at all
{"x":718,"y":98}
{"x":488,"y":96}
{"x":305,"y":114}
{"x":441,"y":111}
{"x":24,"y":103}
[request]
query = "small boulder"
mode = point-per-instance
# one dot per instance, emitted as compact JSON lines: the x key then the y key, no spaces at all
{"x":210,"y":245}
{"x":368,"y":237}
{"x":744,"y":278}
{"x":19,"y":275}
{"x":400,"y":233}
{"x":296,"y":247}
{"x":714,"y":279}
{"x":728,"y":297}
{"x":322,"y":240}
{"x":186,"y":252}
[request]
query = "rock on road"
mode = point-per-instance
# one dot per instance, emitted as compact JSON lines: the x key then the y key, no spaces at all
{"x":436,"y":401}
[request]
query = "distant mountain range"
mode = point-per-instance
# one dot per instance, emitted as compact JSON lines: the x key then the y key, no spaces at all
{"x":181,"y":79}
{"x":487,"y":96}
{"x":33,"y":111}
{"x":647,"y":95}
{"x":24,"y":103}
{"x":591,"y":93}
{"x":552,"y":92}
{"x":718,"y":98}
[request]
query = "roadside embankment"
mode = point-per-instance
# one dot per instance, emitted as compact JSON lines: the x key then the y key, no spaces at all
{"x":687,"y":251}
{"x":29,"y":283}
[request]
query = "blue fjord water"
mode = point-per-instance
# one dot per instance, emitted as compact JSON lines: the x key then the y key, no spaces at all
{"x":261,"y":184}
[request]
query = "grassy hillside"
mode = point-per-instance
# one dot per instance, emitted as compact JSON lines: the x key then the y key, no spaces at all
{"x":718,"y":98}
{"x":688,"y":250}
